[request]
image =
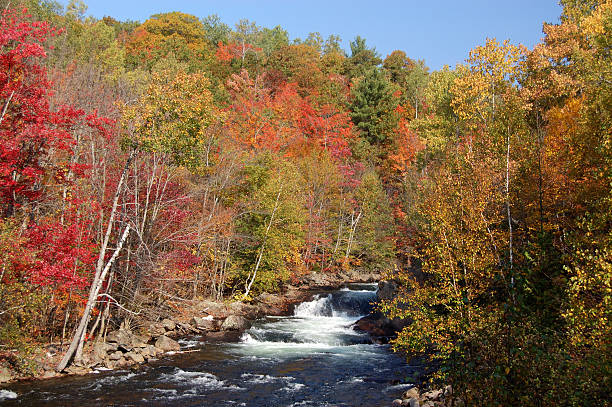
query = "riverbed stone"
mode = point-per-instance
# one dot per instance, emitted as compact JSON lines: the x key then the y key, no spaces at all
{"x":204,"y":324}
{"x":235,"y":323}
{"x":169,"y":325}
{"x":140,"y":341}
{"x":396,"y":402}
{"x":413,"y":392}
{"x":116,"y":355}
{"x":167,"y":344}
{"x":156,"y":329}
{"x":136,"y":357}
{"x":101,"y":349}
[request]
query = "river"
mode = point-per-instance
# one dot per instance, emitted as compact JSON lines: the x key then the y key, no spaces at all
{"x":312,"y":358}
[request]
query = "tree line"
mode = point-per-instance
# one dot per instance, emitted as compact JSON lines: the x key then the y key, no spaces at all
{"x":145,"y":164}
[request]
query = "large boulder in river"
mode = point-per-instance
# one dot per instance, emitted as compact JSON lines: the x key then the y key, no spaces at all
{"x":235,"y":323}
{"x":166,"y":344}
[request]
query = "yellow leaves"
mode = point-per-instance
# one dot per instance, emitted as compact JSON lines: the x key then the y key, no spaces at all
{"x":174,"y":116}
{"x":491,"y":69}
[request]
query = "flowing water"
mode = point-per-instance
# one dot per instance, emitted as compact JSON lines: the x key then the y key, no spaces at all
{"x":313,"y":358}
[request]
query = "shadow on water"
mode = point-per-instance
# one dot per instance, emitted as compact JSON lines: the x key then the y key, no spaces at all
{"x":313,"y":358}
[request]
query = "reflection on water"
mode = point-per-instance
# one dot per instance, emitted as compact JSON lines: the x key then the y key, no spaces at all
{"x":313,"y":358}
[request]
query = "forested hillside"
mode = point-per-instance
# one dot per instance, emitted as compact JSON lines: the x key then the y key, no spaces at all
{"x":177,"y":158}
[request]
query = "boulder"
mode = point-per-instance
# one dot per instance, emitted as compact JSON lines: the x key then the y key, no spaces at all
{"x":432,"y":395}
{"x":204,"y":324}
{"x":120,"y":337}
{"x":78,"y":370}
{"x":386,"y":290}
{"x":235,"y":323}
{"x":116,"y":355}
{"x":150,"y":351}
{"x":140,"y":341}
{"x":166,"y":344}
{"x":413,"y":402}
{"x":396,"y":402}
{"x":169,"y":325}
{"x":136,"y":357}
{"x":413,"y":392}
{"x":156,"y":329}
{"x":101,"y":349}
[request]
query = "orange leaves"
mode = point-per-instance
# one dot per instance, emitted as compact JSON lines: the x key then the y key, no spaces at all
{"x":283,"y":120}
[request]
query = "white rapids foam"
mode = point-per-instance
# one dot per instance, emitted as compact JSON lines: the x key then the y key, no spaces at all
{"x":7,"y":395}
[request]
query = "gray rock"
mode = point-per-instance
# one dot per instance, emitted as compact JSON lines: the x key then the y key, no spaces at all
{"x":156,"y":329}
{"x":235,"y":323}
{"x":136,"y":357}
{"x":169,"y":325}
{"x":448,"y":390}
{"x":166,"y":344}
{"x":150,"y":351}
{"x":5,"y":375}
{"x":413,"y":402}
{"x":116,"y":355}
{"x":432,"y":395}
{"x":101,"y":349}
{"x":140,"y":341}
{"x":204,"y":324}
{"x":120,"y":337}
{"x":396,"y":402}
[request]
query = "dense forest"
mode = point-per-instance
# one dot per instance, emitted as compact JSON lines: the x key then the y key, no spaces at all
{"x":182,"y":158}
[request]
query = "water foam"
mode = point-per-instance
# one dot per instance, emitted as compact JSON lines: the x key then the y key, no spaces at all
{"x":7,"y":395}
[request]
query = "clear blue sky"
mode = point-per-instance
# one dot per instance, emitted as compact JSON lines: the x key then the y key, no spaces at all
{"x":438,"y":31}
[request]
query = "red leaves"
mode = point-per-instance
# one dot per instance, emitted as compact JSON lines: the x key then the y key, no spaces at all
{"x":64,"y":254}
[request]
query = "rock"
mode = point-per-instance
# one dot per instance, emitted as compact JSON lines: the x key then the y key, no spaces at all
{"x":413,"y":392}
{"x":116,"y":355}
{"x":169,"y":325}
{"x":235,"y":323}
{"x":448,"y":391}
{"x":119,"y":337}
{"x":136,"y":357}
{"x":204,"y":324}
{"x":156,"y":329}
{"x":186,"y":328}
{"x":432,"y":395}
{"x":413,"y":402}
{"x":149,"y":352}
{"x":386,"y":290}
{"x":101,"y":349}
{"x":166,"y":344}
{"x":5,"y":375}
{"x":80,"y":370}
{"x":428,"y":404}
{"x":396,"y":402}
{"x":140,"y":341}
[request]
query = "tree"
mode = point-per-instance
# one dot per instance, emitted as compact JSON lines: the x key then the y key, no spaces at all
{"x":373,"y":107}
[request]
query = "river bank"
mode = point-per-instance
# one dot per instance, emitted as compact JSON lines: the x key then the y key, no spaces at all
{"x":213,"y":321}
{"x":312,"y":357}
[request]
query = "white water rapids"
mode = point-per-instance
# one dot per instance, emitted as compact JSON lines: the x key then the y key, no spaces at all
{"x":312,"y":358}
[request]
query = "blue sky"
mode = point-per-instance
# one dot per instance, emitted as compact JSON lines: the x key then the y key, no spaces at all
{"x":438,"y":31}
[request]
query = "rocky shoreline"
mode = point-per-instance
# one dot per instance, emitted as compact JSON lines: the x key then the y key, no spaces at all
{"x":210,"y":320}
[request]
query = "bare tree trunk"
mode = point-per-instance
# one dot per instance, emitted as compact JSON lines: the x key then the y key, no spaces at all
{"x":354,"y":222}
{"x":510,"y":249}
{"x":100,"y":274}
